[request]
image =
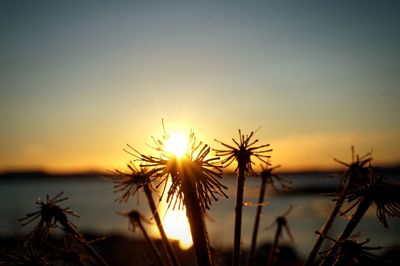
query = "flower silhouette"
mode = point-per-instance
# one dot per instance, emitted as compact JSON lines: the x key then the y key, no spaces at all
{"x":378,"y":189}
{"x":194,"y":182}
{"x":51,"y":216}
{"x":204,"y":172}
{"x":356,"y":172}
{"x":273,"y":179}
{"x":130,"y":183}
{"x":243,"y":151}
{"x":348,"y":251}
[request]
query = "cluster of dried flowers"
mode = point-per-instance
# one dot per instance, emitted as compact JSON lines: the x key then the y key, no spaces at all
{"x":194,"y":182}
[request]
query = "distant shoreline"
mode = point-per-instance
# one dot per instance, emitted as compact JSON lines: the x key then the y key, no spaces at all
{"x":40,"y":174}
{"x":318,"y":188}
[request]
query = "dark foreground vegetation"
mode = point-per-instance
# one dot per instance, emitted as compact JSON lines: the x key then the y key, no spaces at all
{"x":127,"y":251}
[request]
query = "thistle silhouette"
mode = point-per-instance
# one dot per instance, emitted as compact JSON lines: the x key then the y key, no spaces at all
{"x":355,"y":175}
{"x":378,"y":190}
{"x":348,"y":251}
{"x":53,"y":216}
{"x":243,"y":152}
{"x":194,"y":184}
{"x":128,"y":183}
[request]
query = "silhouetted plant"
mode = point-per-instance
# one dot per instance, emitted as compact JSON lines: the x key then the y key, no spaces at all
{"x":268,"y":177}
{"x":243,"y":152}
{"x":53,"y":216}
{"x":46,"y":252}
{"x":281,"y":223}
{"x":27,"y":255}
{"x":50,"y":215}
{"x":355,"y":175}
{"x":348,"y":251}
{"x":129,"y":184}
{"x":194,"y":184}
{"x":377,"y":190}
{"x":135,"y":220}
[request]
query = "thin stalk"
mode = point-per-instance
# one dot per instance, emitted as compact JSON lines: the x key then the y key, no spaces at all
{"x":274,"y":247}
{"x":355,"y":219}
{"x":173,"y":260}
{"x":196,"y":222}
{"x":238,"y":213}
{"x":151,"y":243}
{"x":86,"y":246}
{"x":324,"y":231}
{"x":250,"y":261}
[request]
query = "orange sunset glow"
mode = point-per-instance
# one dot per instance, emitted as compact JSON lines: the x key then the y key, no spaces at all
{"x":75,"y":90}
{"x":207,"y":133}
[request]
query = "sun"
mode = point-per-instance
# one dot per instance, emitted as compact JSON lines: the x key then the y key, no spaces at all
{"x":177,"y":144}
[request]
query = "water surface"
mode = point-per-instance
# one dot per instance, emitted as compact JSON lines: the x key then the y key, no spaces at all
{"x":94,"y":200}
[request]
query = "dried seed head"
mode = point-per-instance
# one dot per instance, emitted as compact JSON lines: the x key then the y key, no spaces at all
{"x":356,"y":173}
{"x":383,"y":192}
{"x":203,"y":171}
{"x":243,"y":152}
{"x":271,"y":177}
{"x":129,"y":183}
{"x":347,"y":251}
{"x":281,"y":221}
{"x":51,"y":216}
{"x":135,"y":217}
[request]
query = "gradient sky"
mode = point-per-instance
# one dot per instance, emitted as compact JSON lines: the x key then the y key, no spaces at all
{"x":80,"y":79}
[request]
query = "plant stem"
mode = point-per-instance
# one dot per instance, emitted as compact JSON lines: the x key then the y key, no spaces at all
{"x":355,"y":219}
{"x":151,"y":243}
{"x":196,"y":221}
{"x":250,"y":261}
{"x":358,"y":215}
{"x":238,"y":213}
{"x":324,"y":230}
{"x":173,"y":260}
{"x":86,"y":246}
{"x":274,"y":247}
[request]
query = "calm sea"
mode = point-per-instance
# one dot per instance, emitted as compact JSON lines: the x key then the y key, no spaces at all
{"x":94,"y":199}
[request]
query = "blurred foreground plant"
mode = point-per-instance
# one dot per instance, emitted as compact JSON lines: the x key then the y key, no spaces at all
{"x":281,"y":223}
{"x":135,"y":219}
{"x":348,"y":251}
{"x":52,"y":216}
{"x":268,"y":177}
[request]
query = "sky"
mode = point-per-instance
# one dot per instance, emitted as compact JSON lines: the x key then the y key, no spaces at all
{"x":81,"y":79}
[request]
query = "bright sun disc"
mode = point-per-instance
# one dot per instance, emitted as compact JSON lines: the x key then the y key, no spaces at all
{"x":177,"y":144}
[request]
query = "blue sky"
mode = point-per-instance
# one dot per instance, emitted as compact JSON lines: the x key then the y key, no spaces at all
{"x":80,"y":79}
